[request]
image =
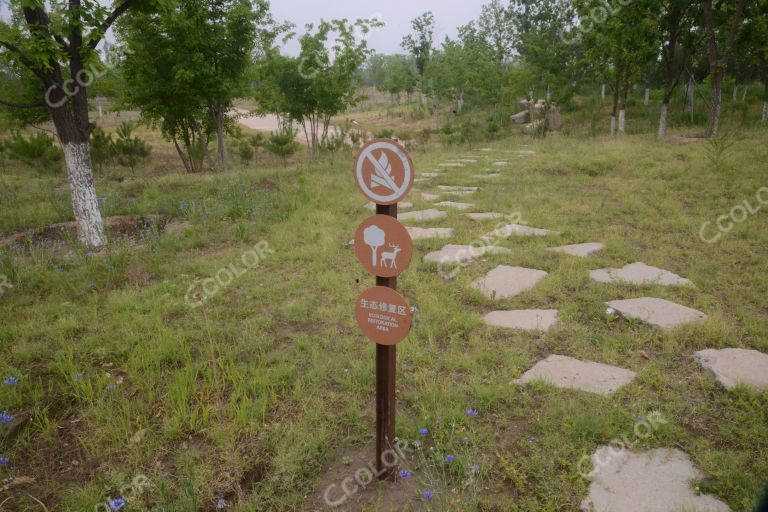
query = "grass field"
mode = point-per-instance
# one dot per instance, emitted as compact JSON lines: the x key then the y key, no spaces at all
{"x":254,"y":395}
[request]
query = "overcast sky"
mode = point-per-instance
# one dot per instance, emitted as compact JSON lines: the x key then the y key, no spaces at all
{"x":396,"y":14}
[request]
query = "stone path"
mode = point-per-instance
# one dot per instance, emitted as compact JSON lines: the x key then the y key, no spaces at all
{"x":657,"y":312}
{"x":432,"y":174}
{"x":417,"y":233}
{"x":504,"y":281}
{"x":458,"y":206}
{"x":524,"y":319}
{"x":518,"y":229}
{"x":430,"y":197}
{"x":502,"y":163}
{"x":451,"y":164}
{"x":429,"y":214}
{"x":734,"y":366}
{"x":580,"y":250}
{"x":486,"y":176}
{"x":485,"y":216}
{"x":454,"y":254}
{"x":459,"y":193}
{"x":567,"y":372}
{"x":452,"y":188}
{"x":638,"y":273}
{"x":654,"y":481}
{"x":422,"y":180}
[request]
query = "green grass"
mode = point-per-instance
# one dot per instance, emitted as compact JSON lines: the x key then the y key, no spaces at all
{"x":253,"y":395}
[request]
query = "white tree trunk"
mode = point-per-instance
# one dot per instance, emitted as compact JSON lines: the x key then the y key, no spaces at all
{"x":689,"y":91}
{"x":647,"y":99}
{"x":765,"y":111}
{"x":663,"y":120}
{"x":744,"y":94}
{"x":85,"y":204}
{"x":602,"y":92}
{"x":613,"y":126}
{"x":622,"y":120}
{"x":735,"y":92}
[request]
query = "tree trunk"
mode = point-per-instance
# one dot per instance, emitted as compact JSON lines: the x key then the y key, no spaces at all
{"x":613,"y":125}
{"x":714,"y":107}
{"x":689,"y":95}
{"x":221,"y":152}
{"x":647,"y":99}
{"x":765,"y":111}
{"x":663,"y":119}
{"x":735,"y":92}
{"x":602,"y":92}
{"x":744,"y":94}
{"x":85,"y":203}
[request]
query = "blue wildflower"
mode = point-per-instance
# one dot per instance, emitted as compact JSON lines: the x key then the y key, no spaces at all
{"x":10,"y":381}
{"x":5,"y":417}
{"x":404,"y":473}
{"x":117,"y":503}
{"x":472,"y":412}
{"x":222,"y":503}
{"x":428,"y":495}
{"x":111,"y":387}
{"x":449,"y":458}
{"x":417,"y":443}
{"x":78,"y":376}
{"x":423,"y":431}
{"x":4,"y":461}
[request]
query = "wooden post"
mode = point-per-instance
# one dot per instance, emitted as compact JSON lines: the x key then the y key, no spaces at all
{"x":386,"y":358}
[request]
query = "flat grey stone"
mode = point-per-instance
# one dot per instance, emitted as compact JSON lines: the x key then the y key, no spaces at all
{"x":451,"y":164}
{"x":485,"y":216}
{"x":567,"y":372}
{"x":452,"y":188}
{"x":486,"y":150}
{"x":581,"y":250}
{"x":525,"y":319}
{"x":501,"y":163}
{"x":454,"y":254}
{"x":430,"y":197}
{"x":638,"y":273}
{"x":429,"y":214}
{"x":417,"y":233}
{"x":653,"y":481}
{"x":507,"y":231}
{"x":458,"y":206}
{"x":504,"y":281}
{"x":467,"y":161}
{"x":734,"y":366}
{"x":487,"y":176}
{"x":432,"y":174}
{"x":404,"y":204}
{"x":459,"y":193}
{"x":422,"y":180}
{"x":657,"y":312}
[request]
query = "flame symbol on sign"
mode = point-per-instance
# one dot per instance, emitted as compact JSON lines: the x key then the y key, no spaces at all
{"x":382,"y":176}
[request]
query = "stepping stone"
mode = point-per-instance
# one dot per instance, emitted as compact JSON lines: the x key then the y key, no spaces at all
{"x":734,"y":366}
{"x":581,"y":250}
{"x":429,"y":214}
{"x":485,"y":216}
{"x":518,"y":229}
{"x":467,"y":161}
{"x":525,"y":319}
{"x":432,"y":174}
{"x":422,"y":180}
{"x":653,"y":481}
{"x":459,"y":193}
{"x":454,"y":254}
{"x":502,"y":163}
{"x":657,"y":312}
{"x":430,"y":197}
{"x":404,"y":204}
{"x":452,"y":188}
{"x":417,"y":233}
{"x":451,"y":164}
{"x":458,"y":206}
{"x":638,"y":273}
{"x":504,"y":281}
{"x":567,"y":372}
{"x":525,"y":152}
{"x":486,"y":176}
{"x":486,"y":150}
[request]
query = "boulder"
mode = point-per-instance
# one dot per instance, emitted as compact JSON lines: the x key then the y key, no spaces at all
{"x":554,"y":120}
{"x":521,"y":117}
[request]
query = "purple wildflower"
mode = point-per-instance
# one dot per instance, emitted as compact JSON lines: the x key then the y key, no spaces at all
{"x":111,"y":387}
{"x":417,"y":443}
{"x":449,"y":458}
{"x":117,"y":503}
{"x":78,"y":376}
{"x":4,"y":461}
{"x":5,"y":417}
{"x":10,"y":381}
{"x":428,"y":495}
{"x":472,"y":413}
{"x":404,"y":474}
{"x":222,"y":503}
{"x":423,"y":431}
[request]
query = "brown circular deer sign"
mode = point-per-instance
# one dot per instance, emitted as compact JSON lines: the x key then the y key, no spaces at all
{"x":383,"y":315}
{"x":383,"y":246}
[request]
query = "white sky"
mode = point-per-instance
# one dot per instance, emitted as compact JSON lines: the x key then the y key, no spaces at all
{"x":396,"y":14}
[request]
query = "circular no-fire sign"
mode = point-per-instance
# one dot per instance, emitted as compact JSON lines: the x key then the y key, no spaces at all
{"x":383,"y":171}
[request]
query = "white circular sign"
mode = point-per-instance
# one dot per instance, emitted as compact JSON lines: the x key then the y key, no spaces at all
{"x":383,"y":171}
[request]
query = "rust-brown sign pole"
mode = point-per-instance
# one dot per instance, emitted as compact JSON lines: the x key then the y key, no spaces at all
{"x":386,"y":357}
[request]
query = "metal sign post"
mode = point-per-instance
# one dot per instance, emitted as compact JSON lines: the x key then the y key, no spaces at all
{"x":384,"y":173}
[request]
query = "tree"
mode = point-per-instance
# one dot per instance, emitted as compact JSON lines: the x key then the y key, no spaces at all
{"x":419,"y":43}
{"x":753,"y":45}
{"x":496,"y":26}
{"x":722,"y":26}
{"x":56,"y":43}
{"x":185,"y":66}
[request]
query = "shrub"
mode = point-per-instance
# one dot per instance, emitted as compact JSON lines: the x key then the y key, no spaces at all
{"x":245,"y":151}
{"x":38,"y":150}
{"x":102,"y":149}
{"x":129,"y":151}
{"x":384,"y":134}
{"x":282,"y":144}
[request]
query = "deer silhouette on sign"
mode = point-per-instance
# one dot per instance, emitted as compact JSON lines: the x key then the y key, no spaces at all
{"x":390,"y":256}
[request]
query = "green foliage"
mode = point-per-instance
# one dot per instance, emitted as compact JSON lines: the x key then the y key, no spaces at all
{"x":282,"y":144}
{"x":386,"y":133}
{"x":38,"y":150}
{"x":101,"y":147}
{"x":245,"y":151}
